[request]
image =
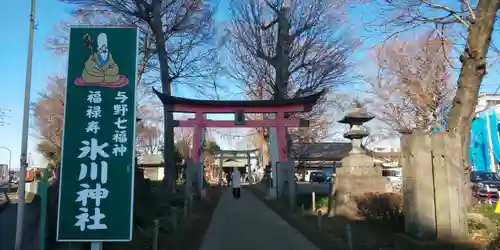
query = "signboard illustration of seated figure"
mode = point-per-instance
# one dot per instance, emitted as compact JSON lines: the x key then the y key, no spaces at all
{"x":100,"y":68}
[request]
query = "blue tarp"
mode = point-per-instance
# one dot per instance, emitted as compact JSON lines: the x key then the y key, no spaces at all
{"x":479,"y":148}
{"x":444,"y":114}
{"x":495,"y":142}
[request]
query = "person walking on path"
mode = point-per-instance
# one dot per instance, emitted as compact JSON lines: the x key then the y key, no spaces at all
{"x":236,"y":183}
{"x":228,"y":179}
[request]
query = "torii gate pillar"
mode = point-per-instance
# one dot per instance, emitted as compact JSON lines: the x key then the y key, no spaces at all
{"x":272,"y":193}
{"x":219,"y":173}
{"x":282,"y":169}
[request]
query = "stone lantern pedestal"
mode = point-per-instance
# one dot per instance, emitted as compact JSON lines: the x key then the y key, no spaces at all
{"x":358,"y":175}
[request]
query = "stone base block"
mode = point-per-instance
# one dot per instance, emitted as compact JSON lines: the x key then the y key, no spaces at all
{"x":357,"y":160}
{"x":356,"y":177}
{"x":356,"y":186}
{"x":360,"y":180}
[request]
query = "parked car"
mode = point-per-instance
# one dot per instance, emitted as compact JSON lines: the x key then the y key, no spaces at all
{"x":318,"y":177}
{"x":330,"y":174}
{"x":14,"y":179}
{"x":308,"y":173}
{"x":330,"y":177}
{"x":481,"y":181}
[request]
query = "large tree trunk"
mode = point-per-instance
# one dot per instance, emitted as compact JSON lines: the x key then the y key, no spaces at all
{"x":473,"y":68}
{"x":169,"y":168}
{"x":472,"y":72}
{"x":282,"y":55}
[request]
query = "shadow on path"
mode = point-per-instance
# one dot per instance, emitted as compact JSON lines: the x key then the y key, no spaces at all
{"x":247,"y":224}
{"x":8,"y":219}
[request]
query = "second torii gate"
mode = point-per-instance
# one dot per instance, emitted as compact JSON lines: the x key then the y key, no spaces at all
{"x":235,"y":154}
{"x":240,"y":108}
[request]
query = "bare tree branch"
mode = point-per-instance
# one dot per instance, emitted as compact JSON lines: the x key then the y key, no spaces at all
{"x":318,"y":54}
{"x":413,"y":87}
{"x":182,"y":31}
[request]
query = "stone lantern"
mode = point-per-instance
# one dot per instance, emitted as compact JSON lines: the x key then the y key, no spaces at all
{"x":357,"y":175}
{"x":356,"y":118}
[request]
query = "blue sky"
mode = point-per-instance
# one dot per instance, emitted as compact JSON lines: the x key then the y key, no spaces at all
{"x":48,"y":14}
{"x":14,"y":46}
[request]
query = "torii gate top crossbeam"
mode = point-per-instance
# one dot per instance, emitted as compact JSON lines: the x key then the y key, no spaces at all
{"x":185,"y":105}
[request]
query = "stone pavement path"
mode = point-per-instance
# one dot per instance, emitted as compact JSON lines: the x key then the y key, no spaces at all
{"x":248,"y":224}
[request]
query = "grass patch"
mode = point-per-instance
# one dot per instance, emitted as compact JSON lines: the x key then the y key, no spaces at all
{"x":489,"y":212}
{"x":484,"y":226}
{"x":374,"y":232}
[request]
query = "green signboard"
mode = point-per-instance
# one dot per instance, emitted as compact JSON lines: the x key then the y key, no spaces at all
{"x":97,"y":168}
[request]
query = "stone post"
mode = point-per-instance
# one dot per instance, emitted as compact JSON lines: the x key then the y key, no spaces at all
{"x":433,"y":179}
{"x":418,"y":186}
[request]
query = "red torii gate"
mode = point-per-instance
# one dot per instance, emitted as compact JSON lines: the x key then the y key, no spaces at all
{"x":239,"y":108}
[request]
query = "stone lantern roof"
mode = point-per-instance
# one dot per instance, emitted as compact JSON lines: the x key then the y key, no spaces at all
{"x":357,"y":115}
{"x":356,"y":118}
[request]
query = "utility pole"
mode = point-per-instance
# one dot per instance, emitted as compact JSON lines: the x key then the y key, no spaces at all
{"x":24,"y":139}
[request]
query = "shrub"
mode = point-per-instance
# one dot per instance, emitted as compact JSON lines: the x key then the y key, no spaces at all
{"x":494,"y":244}
{"x":322,"y":202}
{"x":386,"y":207}
{"x":306,"y":200}
{"x":163,"y":201}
